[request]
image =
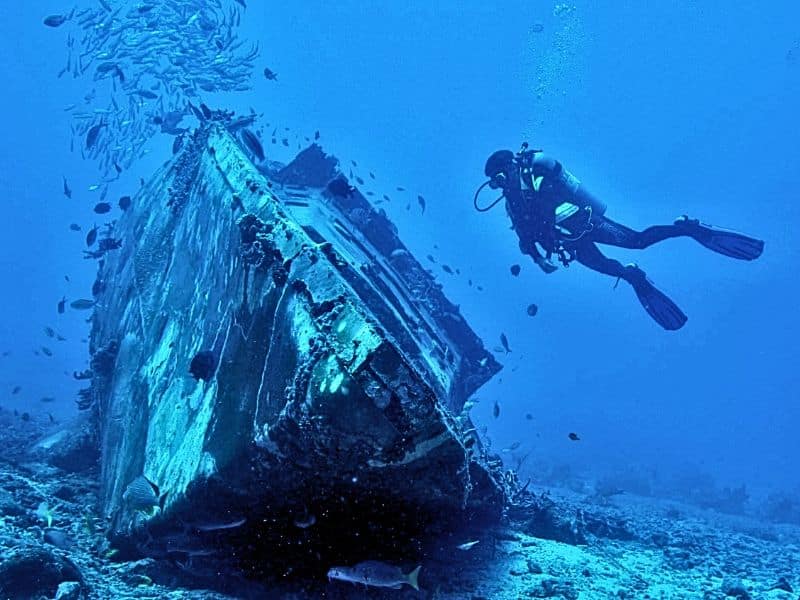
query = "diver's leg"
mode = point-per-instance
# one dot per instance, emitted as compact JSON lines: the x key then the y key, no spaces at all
{"x":589,"y":255}
{"x":606,"y":231}
{"x":657,"y":304}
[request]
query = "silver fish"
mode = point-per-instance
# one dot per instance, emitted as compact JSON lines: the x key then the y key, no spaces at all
{"x":468,"y":545}
{"x":376,"y":574}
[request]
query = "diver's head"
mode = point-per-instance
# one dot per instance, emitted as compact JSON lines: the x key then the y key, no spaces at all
{"x":497,"y":168}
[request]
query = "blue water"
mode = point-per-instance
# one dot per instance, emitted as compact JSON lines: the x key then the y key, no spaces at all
{"x":660,"y":109}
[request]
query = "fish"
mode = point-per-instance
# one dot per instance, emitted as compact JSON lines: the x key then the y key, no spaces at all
{"x":102,"y":208}
{"x":532,"y":310}
{"x":74,"y":227}
{"x":515,"y":270}
{"x":91,"y":236}
{"x":496,"y":409}
{"x":447,"y":269}
{"x":316,"y":135}
{"x":468,"y":545}
{"x":67,"y":190}
{"x":49,"y":332}
{"x":270,"y":75}
{"x":285,"y":142}
{"x":504,"y":341}
{"x":16,"y":390}
{"x":386,"y":197}
{"x":376,"y":574}
{"x":372,"y":175}
{"x":82,"y":304}
{"x":512,"y":447}
{"x":143,"y":495}
{"x":47,"y":399}
{"x":574,"y":437}
{"x":421,"y":202}
{"x":93,"y":134}
{"x":529,"y":416}
{"x":250,"y":140}
{"x":61,"y":304}
{"x":94,"y":187}
{"x":125,"y":202}
{"x":221,"y":526}
{"x":46,"y":351}
{"x":56,"y":20}
{"x":360,"y":181}
{"x":400,"y":188}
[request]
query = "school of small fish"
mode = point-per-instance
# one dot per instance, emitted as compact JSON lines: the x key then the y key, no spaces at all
{"x":146,"y":62}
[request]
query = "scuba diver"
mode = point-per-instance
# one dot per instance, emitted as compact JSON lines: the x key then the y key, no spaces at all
{"x":554,"y":215}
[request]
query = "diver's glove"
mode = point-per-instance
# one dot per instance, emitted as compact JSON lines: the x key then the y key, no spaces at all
{"x":545,"y":265}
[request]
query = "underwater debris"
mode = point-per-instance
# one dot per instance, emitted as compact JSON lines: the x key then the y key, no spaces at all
{"x":203,"y":365}
{"x":340,"y":187}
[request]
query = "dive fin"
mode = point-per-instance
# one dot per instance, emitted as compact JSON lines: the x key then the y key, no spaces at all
{"x":723,"y":241}
{"x":657,"y":304}
{"x":413,"y":578}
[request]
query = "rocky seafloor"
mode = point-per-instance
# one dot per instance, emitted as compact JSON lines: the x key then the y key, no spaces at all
{"x":553,"y":543}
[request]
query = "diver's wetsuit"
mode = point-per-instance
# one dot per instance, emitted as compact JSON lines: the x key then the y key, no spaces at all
{"x":532,"y":207}
{"x":551,"y":211}
{"x":606,"y":231}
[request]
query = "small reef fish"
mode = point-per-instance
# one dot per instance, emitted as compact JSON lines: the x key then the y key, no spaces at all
{"x":574,"y":437}
{"x":143,"y":495}
{"x":91,"y":236}
{"x":82,"y":304}
{"x":504,"y":341}
{"x":57,"y":20}
{"x":496,"y":409}
{"x":376,"y":574}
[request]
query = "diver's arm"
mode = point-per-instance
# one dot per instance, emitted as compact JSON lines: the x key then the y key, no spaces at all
{"x":533,"y":251}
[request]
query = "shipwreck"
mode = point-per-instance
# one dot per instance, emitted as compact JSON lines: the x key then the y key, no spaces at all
{"x":267,"y":352}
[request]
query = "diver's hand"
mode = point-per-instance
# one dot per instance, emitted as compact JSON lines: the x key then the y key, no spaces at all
{"x":545,"y":265}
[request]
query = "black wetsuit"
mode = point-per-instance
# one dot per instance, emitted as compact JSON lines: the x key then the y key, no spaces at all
{"x":538,"y":185}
